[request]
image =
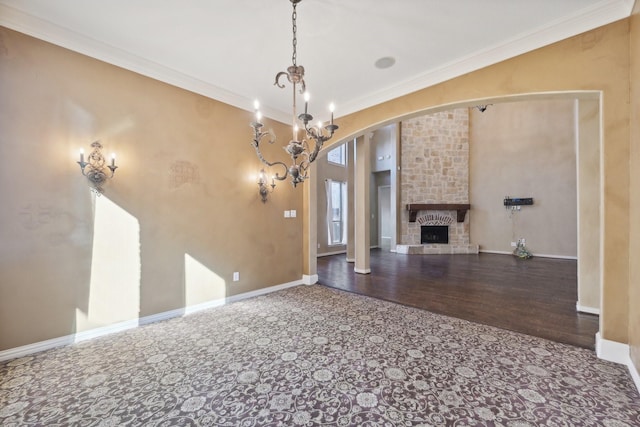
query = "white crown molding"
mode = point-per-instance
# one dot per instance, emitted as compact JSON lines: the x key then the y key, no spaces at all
{"x":602,"y":13}
{"x":60,"y":36}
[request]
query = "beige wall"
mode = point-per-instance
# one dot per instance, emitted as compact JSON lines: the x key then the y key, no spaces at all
{"x":383,"y":168}
{"x":634,"y":232}
{"x":54,"y":101}
{"x":524,"y":149}
{"x":594,"y":61}
{"x":179,"y":217}
{"x":383,"y":149}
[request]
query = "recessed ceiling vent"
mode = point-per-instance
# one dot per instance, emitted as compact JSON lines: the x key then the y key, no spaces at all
{"x":385,"y":62}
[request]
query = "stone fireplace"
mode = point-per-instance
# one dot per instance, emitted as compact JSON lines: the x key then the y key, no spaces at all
{"x":435,"y":183}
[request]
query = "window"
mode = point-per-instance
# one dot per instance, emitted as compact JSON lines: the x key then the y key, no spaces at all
{"x":336,"y":211}
{"x":338,"y":155}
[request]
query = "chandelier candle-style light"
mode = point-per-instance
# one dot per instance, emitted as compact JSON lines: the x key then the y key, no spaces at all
{"x":302,"y":155}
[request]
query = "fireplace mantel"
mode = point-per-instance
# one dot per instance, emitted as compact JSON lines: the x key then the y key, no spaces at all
{"x":414,"y":208}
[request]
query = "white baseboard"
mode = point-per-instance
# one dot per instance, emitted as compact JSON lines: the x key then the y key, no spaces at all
{"x":574,"y":258}
{"x":14,"y":353}
{"x":616,"y":352}
{"x":634,"y":374}
{"x":25,"y":350}
{"x":351,"y":260}
{"x":612,"y":351}
{"x":362,"y":270}
{"x":39,"y":346}
{"x":535,"y":255}
{"x":588,"y":310}
{"x":485,"y":251}
{"x":332,"y":253}
{"x":178,"y":312}
{"x":105,"y":330}
{"x":309,"y":280}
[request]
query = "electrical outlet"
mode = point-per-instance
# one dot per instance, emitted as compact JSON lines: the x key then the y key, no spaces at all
{"x":514,"y":244}
{"x":236,"y":276}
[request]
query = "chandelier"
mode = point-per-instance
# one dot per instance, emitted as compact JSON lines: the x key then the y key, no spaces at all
{"x":303,"y":151}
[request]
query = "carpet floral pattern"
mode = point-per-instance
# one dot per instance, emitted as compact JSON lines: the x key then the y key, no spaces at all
{"x":313,"y":356}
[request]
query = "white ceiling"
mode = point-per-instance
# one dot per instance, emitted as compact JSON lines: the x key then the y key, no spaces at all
{"x":231,"y":50}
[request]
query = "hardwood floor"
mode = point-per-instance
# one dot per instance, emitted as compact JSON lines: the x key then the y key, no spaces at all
{"x":535,"y":296}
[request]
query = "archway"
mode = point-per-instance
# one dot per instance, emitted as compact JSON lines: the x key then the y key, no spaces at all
{"x":588,"y":128}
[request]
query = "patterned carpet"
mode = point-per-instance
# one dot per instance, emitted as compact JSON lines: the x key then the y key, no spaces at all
{"x":313,"y":356}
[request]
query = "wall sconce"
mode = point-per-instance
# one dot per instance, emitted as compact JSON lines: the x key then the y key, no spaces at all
{"x":95,"y":168}
{"x":263,"y":186}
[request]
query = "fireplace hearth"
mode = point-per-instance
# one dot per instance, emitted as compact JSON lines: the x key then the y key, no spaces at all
{"x":430,"y":234}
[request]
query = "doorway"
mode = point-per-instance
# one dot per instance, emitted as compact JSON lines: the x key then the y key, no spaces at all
{"x":384,"y":217}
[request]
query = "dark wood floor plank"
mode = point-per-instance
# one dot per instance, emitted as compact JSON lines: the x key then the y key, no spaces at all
{"x":535,"y":296}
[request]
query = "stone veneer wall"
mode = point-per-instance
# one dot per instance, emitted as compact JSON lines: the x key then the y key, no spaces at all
{"x":435,"y":169}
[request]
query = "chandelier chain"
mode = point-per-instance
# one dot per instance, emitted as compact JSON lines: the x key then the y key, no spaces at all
{"x":294,"y":16}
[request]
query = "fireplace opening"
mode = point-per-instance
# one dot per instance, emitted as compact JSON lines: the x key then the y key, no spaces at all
{"x":434,"y":234}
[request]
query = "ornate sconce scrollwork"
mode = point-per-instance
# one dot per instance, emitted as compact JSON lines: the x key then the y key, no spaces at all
{"x":263,"y":186}
{"x":95,"y":168}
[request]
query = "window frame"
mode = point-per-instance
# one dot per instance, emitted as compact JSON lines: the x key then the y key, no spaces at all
{"x":339,"y":213}
{"x":343,"y":155}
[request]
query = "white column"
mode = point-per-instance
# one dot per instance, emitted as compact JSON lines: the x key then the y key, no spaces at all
{"x":351,"y":234}
{"x":362,"y":207}
{"x":310,"y":228}
{"x":396,"y":211}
